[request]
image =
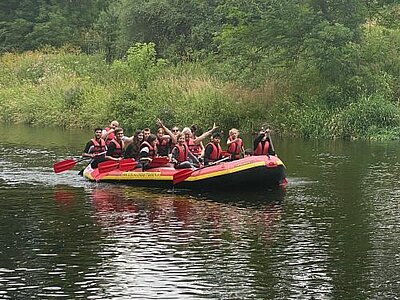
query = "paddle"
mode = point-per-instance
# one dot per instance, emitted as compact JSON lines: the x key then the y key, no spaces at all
{"x":127,"y":164}
{"x":225,"y":154}
{"x":183,"y":174}
{"x":158,"y":162}
{"x":124,"y":165}
{"x":67,"y":164}
{"x":270,"y":142}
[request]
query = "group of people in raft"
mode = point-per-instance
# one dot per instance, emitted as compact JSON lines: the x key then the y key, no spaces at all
{"x":183,"y":147}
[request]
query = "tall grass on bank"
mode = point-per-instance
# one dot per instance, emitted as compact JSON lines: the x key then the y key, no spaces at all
{"x":67,"y":88}
{"x":70,"y":89}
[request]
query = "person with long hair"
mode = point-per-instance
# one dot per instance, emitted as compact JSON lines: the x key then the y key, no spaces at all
{"x":181,"y":156}
{"x":132,"y":150}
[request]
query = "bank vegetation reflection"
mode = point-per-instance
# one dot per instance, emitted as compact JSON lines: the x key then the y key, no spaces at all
{"x":174,"y":245}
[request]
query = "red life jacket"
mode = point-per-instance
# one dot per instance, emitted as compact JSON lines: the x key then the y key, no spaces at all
{"x":182,"y":152}
{"x":193,"y":148}
{"x":235,"y":148}
{"x":119,"y":148}
{"x":152,"y":150}
{"x":110,"y":136}
{"x":215,"y":153}
{"x":262,"y":149}
{"x":162,"y":147}
{"x":97,"y":147}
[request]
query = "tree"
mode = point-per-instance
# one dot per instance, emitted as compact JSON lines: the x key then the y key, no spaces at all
{"x":31,"y":24}
{"x":179,"y":28}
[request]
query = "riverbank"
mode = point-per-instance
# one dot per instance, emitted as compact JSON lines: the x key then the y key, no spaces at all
{"x":69,"y":89}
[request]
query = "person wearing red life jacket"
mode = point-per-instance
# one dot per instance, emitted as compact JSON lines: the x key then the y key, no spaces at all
{"x":194,"y":144}
{"x":181,"y":156}
{"x":235,"y":144}
{"x":115,"y":149}
{"x":148,"y":150}
{"x":173,"y":133}
{"x":95,"y":146}
{"x":108,"y":133}
{"x":200,"y":147}
{"x":163,"y":142}
{"x":262,"y":144}
{"x":213,"y":151}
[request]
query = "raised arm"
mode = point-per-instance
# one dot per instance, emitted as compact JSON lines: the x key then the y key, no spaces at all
{"x":228,"y":141}
{"x":166,"y":130}
{"x":204,"y":135}
{"x":105,"y":133}
{"x":258,"y":139}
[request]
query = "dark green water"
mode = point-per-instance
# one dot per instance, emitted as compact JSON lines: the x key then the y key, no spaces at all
{"x":333,"y":234}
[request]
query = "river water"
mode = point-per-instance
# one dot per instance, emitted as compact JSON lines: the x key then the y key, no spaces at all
{"x":332,"y":234}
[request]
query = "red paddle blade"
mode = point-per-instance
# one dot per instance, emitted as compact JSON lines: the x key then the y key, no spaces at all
{"x":158,"y":162}
{"x":182,"y":175}
{"x":107,"y":166}
{"x":127,"y":164}
{"x":64,"y":165}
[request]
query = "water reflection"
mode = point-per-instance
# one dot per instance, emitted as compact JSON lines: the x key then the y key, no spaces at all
{"x":333,"y":234}
{"x":64,"y":196}
{"x":163,"y":244}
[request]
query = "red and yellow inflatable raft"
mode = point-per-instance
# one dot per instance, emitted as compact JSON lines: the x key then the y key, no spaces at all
{"x":252,"y":172}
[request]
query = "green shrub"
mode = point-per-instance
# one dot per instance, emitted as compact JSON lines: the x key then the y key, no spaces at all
{"x":70,"y":89}
{"x":368,"y":118}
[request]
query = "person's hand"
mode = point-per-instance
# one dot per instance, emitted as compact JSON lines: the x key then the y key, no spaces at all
{"x":159,"y":123}
{"x":214,"y":127}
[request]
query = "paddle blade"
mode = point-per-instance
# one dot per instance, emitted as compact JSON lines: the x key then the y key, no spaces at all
{"x":127,"y":164}
{"x":64,"y":165}
{"x":107,"y":166}
{"x":158,"y":162}
{"x":182,"y":175}
{"x":225,"y":154}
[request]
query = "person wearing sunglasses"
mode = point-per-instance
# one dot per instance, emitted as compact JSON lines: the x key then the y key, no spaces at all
{"x":173,"y":133}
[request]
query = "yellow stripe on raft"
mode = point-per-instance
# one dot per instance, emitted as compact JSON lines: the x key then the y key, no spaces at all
{"x":239,"y":168}
{"x":157,"y":175}
{"x":138,"y":176}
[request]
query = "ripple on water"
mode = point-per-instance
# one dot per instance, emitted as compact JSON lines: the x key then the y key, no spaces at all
{"x":334,"y":228}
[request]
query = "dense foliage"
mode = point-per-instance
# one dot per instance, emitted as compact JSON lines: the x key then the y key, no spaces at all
{"x":311,"y":68}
